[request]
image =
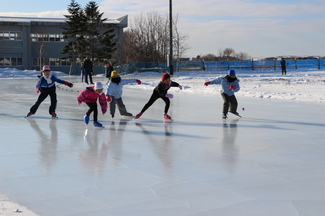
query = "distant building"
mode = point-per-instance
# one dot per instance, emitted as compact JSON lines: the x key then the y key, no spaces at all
{"x":23,"y":38}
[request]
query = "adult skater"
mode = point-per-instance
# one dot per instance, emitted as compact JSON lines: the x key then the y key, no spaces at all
{"x":89,"y":96}
{"x":114,"y":93}
{"x":160,"y":91}
{"x":283,"y":66}
{"x":46,"y":86}
{"x":88,"y":68}
{"x":230,"y":85}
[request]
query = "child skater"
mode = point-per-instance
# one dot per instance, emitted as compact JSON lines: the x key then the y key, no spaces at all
{"x":114,"y":93}
{"x":160,"y":91}
{"x":230,"y":85}
{"x":46,"y":86}
{"x":90,"y":96}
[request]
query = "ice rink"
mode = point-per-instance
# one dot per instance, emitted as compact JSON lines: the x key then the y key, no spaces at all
{"x":269,"y":162}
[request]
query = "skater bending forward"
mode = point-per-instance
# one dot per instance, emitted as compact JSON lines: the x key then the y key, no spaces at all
{"x":90,"y":96}
{"x":160,"y":91}
{"x":230,"y":85}
{"x":46,"y":86}
{"x":114,"y":93}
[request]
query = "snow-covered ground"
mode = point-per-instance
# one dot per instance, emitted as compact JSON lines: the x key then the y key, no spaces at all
{"x":270,"y":162}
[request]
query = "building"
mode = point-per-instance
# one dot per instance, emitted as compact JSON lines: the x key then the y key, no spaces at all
{"x":22,"y":39}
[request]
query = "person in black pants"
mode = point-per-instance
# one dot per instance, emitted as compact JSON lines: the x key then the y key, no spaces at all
{"x":283,"y":66}
{"x":88,"y":68}
{"x":46,"y":86}
{"x":160,"y":91}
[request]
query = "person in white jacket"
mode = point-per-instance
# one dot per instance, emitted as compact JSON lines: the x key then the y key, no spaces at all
{"x":114,"y":93}
{"x":230,"y":85}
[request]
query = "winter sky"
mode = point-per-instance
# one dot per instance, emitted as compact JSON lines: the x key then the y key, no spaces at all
{"x":261,"y":28}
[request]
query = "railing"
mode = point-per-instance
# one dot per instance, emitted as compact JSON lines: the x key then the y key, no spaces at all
{"x":223,"y":65}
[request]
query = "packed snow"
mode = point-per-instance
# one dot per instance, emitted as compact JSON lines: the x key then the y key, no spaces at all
{"x":297,"y":85}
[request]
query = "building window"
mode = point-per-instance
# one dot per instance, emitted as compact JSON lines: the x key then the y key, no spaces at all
{"x":10,"y":35}
{"x":46,"y":37}
{"x":11,"y":61}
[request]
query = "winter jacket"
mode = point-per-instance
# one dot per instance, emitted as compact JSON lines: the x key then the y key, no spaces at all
{"x":48,"y":82}
{"x":88,"y":65}
{"x":162,"y":88}
{"x":89,"y":95}
{"x":115,"y":89}
{"x":226,"y":84}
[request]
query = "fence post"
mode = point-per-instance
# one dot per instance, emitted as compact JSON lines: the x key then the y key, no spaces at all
{"x":252,"y":64}
{"x":274,"y":64}
{"x":318,"y":63}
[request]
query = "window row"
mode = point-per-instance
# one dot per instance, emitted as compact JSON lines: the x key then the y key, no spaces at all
{"x":11,"y":61}
{"x":46,"y":37}
{"x":51,"y":61}
{"x":10,"y":35}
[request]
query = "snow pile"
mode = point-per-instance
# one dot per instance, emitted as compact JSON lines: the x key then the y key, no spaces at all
{"x":297,"y":85}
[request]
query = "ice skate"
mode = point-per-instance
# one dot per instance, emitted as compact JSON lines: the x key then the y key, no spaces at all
{"x":236,"y":114}
{"x":29,"y":114}
{"x":54,"y":116}
{"x":167,"y":117}
{"x":138,"y":115}
{"x":86,"y":119}
{"x":98,"y":125}
{"x":224,"y":116}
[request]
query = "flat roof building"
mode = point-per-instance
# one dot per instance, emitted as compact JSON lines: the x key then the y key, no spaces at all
{"x":23,"y":38}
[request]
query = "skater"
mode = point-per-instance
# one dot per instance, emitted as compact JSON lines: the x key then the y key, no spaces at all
{"x":46,"y":86}
{"x":230,"y":85}
{"x":89,"y":96}
{"x":160,"y":91}
{"x":283,"y":66}
{"x":109,"y":69}
{"x":82,"y":72}
{"x":114,"y":93}
{"x":88,"y":68}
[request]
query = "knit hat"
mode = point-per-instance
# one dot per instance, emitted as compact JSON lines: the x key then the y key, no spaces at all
{"x":165,"y":76}
{"x":46,"y":68}
{"x":231,"y":73}
{"x":114,"y":73}
{"x":98,"y":85}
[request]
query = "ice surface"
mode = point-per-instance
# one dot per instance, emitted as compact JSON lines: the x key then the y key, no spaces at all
{"x":270,"y":162}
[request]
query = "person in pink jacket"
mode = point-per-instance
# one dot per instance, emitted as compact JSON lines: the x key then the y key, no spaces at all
{"x":90,"y":96}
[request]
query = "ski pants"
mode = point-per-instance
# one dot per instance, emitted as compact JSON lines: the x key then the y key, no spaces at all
{"x":88,"y":74}
{"x":155,"y":95}
{"x":43,"y":95}
{"x":284,"y":70}
{"x":92,"y":108}
{"x":120,"y":106}
{"x":229,"y":103}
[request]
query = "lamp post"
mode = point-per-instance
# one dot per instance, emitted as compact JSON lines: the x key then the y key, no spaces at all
{"x":171,"y":72}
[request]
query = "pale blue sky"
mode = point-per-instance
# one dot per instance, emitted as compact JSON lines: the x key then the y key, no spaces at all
{"x":261,"y":28}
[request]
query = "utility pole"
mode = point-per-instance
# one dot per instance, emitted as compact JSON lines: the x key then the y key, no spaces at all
{"x":171,"y":69}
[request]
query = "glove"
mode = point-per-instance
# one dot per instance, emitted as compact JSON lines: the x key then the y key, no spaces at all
{"x":68,"y":84}
{"x":38,"y":90}
{"x":180,"y":87}
{"x":207,"y":83}
{"x":108,"y":98}
{"x":79,"y":103}
{"x":169,"y":95}
{"x":232,"y":87}
{"x":138,"y":81}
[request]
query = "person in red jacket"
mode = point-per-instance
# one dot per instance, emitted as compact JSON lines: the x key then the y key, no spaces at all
{"x":90,"y":96}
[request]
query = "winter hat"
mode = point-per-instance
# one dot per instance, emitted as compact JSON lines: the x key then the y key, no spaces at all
{"x":46,"y":68}
{"x":165,"y":76}
{"x":114,"y":73}
{"x":231,"y":73}
{"x":98,"y":85}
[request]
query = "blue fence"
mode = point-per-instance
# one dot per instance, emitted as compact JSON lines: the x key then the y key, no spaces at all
{"x":222,"y":65}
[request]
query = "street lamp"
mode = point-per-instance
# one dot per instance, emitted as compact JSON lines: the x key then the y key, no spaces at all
{"x":171,"y":72}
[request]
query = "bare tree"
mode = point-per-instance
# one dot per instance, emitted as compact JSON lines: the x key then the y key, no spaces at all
{"x":228,"y":53}
{"x":242,"y":56}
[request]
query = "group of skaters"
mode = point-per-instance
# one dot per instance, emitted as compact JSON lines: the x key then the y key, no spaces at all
{"x":92,"y":95}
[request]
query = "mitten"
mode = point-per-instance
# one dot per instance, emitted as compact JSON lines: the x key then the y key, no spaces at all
{"x":138,"y":81}
{"x":180,"y":87}
{"x":232,"y":87}
{"x":38,"y":90}
{"x":169,"y":95}
{"x":207,"y":83}
{"x":108,"y":98}
{"x":68,"y":84}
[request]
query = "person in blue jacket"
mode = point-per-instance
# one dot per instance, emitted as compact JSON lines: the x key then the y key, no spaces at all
{"x":46,"y":86}
{"x":230,"y":85}
{"x":114,"y":93}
